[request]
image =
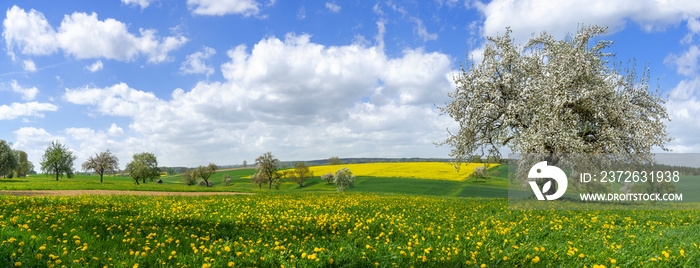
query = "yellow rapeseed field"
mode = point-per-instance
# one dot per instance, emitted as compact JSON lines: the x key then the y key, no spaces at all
{"x":419,"y":170}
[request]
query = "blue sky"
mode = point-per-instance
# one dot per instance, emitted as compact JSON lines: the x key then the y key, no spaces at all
{"x":199,"y":81}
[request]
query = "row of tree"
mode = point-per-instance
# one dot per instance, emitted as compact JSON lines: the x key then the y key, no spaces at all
{"x":57,"y":160}
{"x":14,"y":162}
{"x":268,"y":172}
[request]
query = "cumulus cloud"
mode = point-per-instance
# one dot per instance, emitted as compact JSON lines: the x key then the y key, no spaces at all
{"x":95,"y":67}
{"x":335,"y":8}
{"x":526,"y":17}
{"x":27,"y":93}
{"x":29,"y":31}
{"x":224,"y":7}
{"x":141,"y":3}
{"x":687,"y":63}
{"x":297,"y":98}
{"x":115,"y":131}
{"x":34,"y":108}
{"x":84,"y":36}
{"x":683,"y":109}
{"x":117,"y":100}
{"x":29,"y":66}
{"x":195,"y":62}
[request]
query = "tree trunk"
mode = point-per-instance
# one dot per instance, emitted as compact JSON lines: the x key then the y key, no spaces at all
{"x":270,"y":184}
{"x":551,"y":161}
{"x":144,"y":179}
{"x":101,"y":177}
{"x":56,"y":176}
{"x":137,"y":181}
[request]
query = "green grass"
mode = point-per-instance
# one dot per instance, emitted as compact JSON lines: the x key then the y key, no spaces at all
{"x":493,"y":187}
{"x":92,"y":182}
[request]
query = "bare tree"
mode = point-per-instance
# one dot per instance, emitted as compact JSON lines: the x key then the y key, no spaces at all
{"x":101,"y":163}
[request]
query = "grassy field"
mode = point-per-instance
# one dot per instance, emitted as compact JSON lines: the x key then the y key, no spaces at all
{"x":240,"y":182}
{"x":381,"y":222}
{"x":334,"y":230}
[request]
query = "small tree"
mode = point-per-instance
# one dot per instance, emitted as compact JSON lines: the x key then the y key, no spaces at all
{"x":300,"y":173}
{"x":344,"y":179}
{"x":58,"y":160}
{"x":24,"y":165}
{"x":144,"y":166}
{"x":267,"y":166}
{"x":188,"y":177}
{"x":101,"y":163}
{"x":226,"y":179}
{"x":205,"y":173}
{"x":334,"y":160}
{"x":245,"y":163}
{"x":328,"y":177}
{"x":479,"y":172}
{"x":258,"y":179}
{"x":8,"y":158}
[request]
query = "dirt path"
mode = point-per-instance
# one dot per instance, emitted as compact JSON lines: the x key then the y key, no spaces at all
{"x":105,"y":192}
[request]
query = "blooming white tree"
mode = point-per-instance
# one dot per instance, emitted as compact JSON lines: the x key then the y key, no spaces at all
{"x":553,"y":97}
{"x":344,"y":179}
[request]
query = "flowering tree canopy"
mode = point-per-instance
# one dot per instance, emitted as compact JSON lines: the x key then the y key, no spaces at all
{"x":554,"y":96}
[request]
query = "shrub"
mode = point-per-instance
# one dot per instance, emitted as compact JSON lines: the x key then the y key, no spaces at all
{"x":201,"y":183}
{"x":226,"y":179}
{"x":344,"y":179}
{"x":327,"y":177}
{"x":160,"y":181}
{"x":479,"y":172}
{"x":210,"y":183}
{"x":189,"y":178}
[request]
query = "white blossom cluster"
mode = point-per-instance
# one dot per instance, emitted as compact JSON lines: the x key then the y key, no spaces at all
{"x":552,"y":97}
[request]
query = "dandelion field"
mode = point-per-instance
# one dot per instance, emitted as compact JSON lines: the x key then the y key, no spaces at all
{"x":334,"y":230}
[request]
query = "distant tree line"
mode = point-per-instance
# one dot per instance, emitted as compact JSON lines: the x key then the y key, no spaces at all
{"x":14,"y":163}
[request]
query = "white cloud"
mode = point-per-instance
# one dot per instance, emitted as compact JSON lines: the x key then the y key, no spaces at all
{"x":683,"y":107}
{"x":34,"y":108}
{"x":27,"y":93}
{"x":195,"y":62}
{"x":335,"y":8}
{"x":29,"y":66}
{"x":686,"y":64}
{"x":115,"y":131}
{"x":224,"y":7}
{"x":117,"y":100}
{"x":301,"y":13}
{"x":95,"y":67}
{"x":299,"y":99}
{"x":141,"y":3}
{"x":421,"y":31}
{"x":30,"y":32}
{"x":558,"y":18}
{"x":84,"y":36}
